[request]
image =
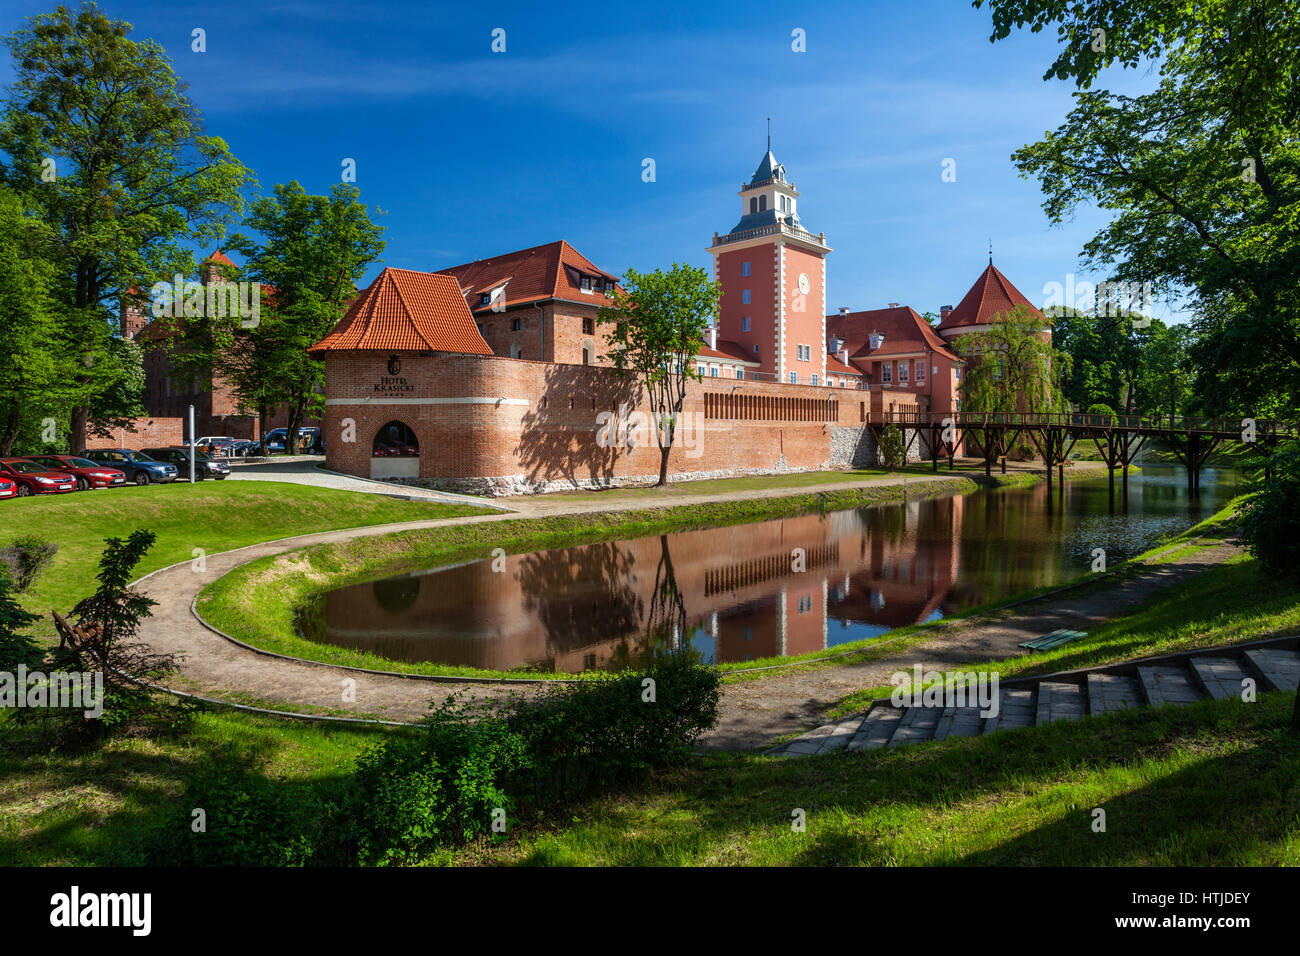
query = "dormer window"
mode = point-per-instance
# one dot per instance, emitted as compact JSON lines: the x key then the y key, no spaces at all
{"x":586,"y":283}
{"x":487,"y":298}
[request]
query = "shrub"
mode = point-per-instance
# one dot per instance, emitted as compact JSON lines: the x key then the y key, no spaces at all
{"x":249,"y":820}
{"x":614,"y":728}
{"x":1100,"y":409}
{"x":1270,"y":521}
{"x":26,"y":558}
{"x":891,"y":448}
{"x":438,"y":788}
{"x":16,"y":645}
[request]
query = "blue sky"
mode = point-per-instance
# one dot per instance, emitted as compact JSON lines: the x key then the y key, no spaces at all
{"x":471,"y":153}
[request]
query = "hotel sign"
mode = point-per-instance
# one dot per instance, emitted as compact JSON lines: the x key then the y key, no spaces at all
{"x":394,"y":383}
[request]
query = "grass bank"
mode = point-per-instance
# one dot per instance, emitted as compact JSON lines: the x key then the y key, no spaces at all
{"x":212,"y":515}
{"x":257,"y":603}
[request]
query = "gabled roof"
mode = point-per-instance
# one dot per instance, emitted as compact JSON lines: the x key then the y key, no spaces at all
{"x":551,"y":271}
{"x":991,"y":294}
{"x":727,"y":351}
{"x":903,"y":328}
{"x":409,"y":311}
{"x":220,"y":258}
{"x":839,"y":368}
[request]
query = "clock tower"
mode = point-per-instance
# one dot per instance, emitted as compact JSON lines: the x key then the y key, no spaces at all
{"x":773,"y":277}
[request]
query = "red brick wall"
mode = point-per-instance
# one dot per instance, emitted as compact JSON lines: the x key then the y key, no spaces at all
{"x":143,"y":433}
{"x":536,"y":423}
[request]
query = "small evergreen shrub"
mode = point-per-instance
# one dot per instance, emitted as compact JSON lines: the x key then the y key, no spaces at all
{"x":16,"y":645}
{"x":26,"y":558}
{"x":890,"y":448}
{"x":1270,"y":521}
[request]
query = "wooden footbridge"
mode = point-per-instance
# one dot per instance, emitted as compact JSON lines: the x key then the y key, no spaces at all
{"x":1119,"y":438}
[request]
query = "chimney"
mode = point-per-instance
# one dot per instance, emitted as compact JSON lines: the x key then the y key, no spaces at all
{"x":893,"y":305}
{"x":713,"y":337}
{"x":844,"y":356}
{"x":943,"y":312}
{"x":844,"y":310}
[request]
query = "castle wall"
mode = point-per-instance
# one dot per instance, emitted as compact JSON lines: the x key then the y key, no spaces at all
{"x":493,"y":425}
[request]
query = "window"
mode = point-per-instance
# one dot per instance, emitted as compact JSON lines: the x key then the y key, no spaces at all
{"x":700,"y":370}
{"x":814,"y":380}
{"x":956,"y":372}
{"x":794,"y":378}
{"x":762,"y":203}
{"x":755,"y":349}
{"x":753,"y":204}
{"x":516,"y":325}
{"x":487,"y":298}
{"x":713,"y":371}
{"x":887,"y":372}
{"x":744,"y":269}
{"x":744,"y":297}
{"x":920,"y":372}
{"x":902,"y":371}
{"x":805,"y":353}
{"x":740,"y":373}
{"x":588,"y":326}
{"x":586,"y":283}
{"x":744,"y":324}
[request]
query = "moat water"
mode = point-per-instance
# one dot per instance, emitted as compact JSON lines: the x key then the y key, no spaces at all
{"x":767,"y":589}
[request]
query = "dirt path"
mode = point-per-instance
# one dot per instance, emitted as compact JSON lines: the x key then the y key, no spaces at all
{"x":753,"y":712}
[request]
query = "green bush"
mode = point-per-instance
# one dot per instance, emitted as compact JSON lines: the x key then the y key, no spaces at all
{"x":615,"y":728}
{"x":249,"y":820}
{"x":438,"y":788}
{"x":1100,"y":409}
{"x":891,"y":448}
{"x":1270,"y":521}
{"x":26,"y":558}
{"x":16,"y":645}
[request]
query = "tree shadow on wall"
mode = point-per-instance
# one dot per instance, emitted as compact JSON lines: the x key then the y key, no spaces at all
{"x":559,"y":436}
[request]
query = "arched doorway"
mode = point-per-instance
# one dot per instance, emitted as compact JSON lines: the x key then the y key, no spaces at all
{"x":395,"y":452}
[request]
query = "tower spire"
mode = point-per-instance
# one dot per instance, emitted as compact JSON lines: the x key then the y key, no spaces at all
{"x":990,"y":250}
{"x":769,"y":134}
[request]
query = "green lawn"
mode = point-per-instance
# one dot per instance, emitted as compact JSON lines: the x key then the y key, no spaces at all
{"x":211,"y":515}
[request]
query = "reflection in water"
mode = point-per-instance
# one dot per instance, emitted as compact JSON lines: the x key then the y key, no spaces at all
{"x":770,"y":589}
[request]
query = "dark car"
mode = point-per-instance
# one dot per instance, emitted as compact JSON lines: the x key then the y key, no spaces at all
{"x":89,"y":474}
{"x":35,"y":479}
{"x":138,"y":466}
{"x":205,"y":466}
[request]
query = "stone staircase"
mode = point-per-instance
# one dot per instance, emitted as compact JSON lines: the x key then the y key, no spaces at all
{"x":1071,"y":695}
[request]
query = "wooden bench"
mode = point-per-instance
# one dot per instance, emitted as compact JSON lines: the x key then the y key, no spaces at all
{"x":1052,"y":639}
{"x":74,"y":635}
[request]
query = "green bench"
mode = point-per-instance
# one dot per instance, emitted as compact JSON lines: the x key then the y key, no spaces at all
{"x":1054,"y":639}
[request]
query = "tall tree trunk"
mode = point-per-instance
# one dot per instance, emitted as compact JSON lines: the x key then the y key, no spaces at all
{"x":263,"y":425}
{"x":79,"y":429}
{"x":9,"y":430}
{"x":664,"y":452}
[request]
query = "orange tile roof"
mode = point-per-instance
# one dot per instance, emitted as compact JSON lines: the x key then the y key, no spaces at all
{"x":410,"y":311}
{"x":991,"y":294}
{"x":732,"y":351}
{"x":904,"y":330}
{"x":839,"y":368}
{"x":220,"y":258}
{"x":535,"y":274}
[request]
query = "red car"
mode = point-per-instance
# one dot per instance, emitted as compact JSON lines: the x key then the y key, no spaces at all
{"x":34,"y":479}
{"x":8,"y":489}
{"x":89,"y":474}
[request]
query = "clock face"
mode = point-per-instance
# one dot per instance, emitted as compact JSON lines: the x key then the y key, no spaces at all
{"x":804,"y":284}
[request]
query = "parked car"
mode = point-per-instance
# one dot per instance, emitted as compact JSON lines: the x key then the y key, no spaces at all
{"x":212,"y":443}
{"x":205,"y":466}
{"x":308,"y":436}
{"x":241,"y":448}
{"x":35,"y":479}
{"x":8,"y":488}
{"x":138,"y":466}
{"x":89,"y":474}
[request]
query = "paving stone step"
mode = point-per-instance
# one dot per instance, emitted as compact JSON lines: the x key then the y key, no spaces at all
{"x":1169,"y":684}
{"x":839,"y":738}
{"x":1059,"y":701}
{"x":1281,"y":669}
{"x":959,"y":722}
{"x":918,"y":724}
{"x":1016,"y":708}
{"x":876,"y":730}
{"x":1108,"y":693}
{"x":1222,"y":677}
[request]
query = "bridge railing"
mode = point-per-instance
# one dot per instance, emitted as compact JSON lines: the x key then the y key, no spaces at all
{"x":1150,"y":424}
